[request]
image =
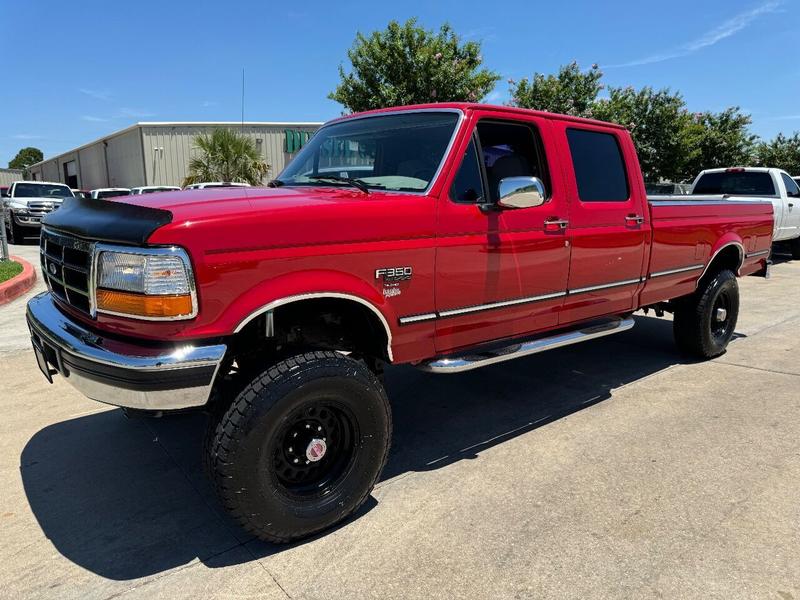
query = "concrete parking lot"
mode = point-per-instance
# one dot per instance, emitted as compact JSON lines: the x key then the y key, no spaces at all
{"x":611,"y":469}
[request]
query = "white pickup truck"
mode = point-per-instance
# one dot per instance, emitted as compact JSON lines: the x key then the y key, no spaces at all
{"x":26,"y":203}
{"x":759,"y":182}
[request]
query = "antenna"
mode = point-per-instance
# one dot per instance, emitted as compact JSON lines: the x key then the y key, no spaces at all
{"x":242,"y":99}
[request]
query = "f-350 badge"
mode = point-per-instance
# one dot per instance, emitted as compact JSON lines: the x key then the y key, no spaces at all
{"x":392,"y":274}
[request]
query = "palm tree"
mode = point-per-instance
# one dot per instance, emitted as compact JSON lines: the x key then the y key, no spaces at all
{"x":226,"y":156}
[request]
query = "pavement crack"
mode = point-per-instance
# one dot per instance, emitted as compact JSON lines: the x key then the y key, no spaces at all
{"x":732,"y":364}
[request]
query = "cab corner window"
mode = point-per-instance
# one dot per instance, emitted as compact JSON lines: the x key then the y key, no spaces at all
{"x":467,"y":185}
{"x":598,"y":165}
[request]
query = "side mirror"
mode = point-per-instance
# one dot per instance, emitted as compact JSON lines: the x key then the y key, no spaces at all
{"x":520,"y":192}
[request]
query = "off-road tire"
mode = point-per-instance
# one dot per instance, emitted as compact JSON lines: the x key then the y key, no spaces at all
{"x":697,"y":331}
{"x":794,"y":248}
{"x":249,"y":441}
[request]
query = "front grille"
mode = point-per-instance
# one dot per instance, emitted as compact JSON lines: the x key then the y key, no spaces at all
{"x":66,"y":266}
{"x":39,"y":208}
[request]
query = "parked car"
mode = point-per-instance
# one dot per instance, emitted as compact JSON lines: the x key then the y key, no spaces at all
{"x":3,"y":191}
{"x":479,"y":235}
{"x":100,"y":193}
{"x":215,"y":184}
{"x":26,"y":203}
{"x":666,"y":189}
{"x":82,"y":193}
{"x":742,"y":183}
{"x":152,"y":189}
{"x":797,"y":179}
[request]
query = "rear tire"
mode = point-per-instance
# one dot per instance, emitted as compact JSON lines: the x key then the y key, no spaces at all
{"x":794,"y":247}
{"x":704,"y":322}
{"x":301,"y":447}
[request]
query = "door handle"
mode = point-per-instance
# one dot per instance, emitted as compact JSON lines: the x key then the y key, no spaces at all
{"x":555,"y":224}
{"x":634,"y":219}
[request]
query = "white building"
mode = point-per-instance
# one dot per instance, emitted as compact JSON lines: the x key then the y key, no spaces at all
{"x":159,"y":153}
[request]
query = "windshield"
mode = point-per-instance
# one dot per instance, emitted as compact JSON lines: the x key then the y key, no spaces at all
{"x":41,"y":190}
{"x":735,"y":183}
{"x":399,"y":152}
{"x":112,"y":193}
{"x":154,"y":190}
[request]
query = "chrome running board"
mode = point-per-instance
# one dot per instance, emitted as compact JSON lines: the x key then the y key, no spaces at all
{"x":590,"y":331}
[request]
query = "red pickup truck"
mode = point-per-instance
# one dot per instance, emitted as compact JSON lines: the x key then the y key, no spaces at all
{"x":447,"y":236}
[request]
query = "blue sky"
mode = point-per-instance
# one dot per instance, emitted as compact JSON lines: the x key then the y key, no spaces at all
{"x":75,"y":71}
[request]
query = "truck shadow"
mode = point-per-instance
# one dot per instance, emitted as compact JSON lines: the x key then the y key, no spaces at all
{"x":129,"y":499}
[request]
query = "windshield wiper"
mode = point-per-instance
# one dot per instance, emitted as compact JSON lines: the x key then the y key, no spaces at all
{"x":276,"y":183}
{"x":355,"y":182}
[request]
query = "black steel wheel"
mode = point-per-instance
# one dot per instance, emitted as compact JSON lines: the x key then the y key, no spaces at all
{"x":704,"y":322}
{"x":301,"y":446}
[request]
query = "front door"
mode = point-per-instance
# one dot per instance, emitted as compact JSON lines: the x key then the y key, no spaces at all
{"x":499,"y":273}
{"x":791,"y":215}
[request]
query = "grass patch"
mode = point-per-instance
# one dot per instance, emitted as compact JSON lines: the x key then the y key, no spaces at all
{"x":9,"y":269}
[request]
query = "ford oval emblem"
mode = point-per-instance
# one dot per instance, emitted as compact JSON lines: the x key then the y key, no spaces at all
{"x":52,"y":268}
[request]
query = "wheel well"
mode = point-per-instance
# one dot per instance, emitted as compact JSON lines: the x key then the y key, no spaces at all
{"x":729,"y":257}
{"x":316,"y":323}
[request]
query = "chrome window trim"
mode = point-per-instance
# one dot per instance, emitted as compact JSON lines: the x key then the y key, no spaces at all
{"x":675,"y":271}
{"x":715,"y":202}
{"x":101,"y":247}
{"x":316,"y":295}
{"x":459,"y":123}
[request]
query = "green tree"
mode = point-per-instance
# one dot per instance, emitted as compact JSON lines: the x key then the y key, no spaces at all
{"x":571,"y":92}
{"x":226,"y":156}
{"x":783,"y":152}
{"x":407,"y":64}
{"x":658,"y":122}
{"x":25,"y":158}
{"x":719,"y":140}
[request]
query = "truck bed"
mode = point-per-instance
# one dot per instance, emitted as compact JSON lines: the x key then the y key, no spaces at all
{"x":688,"y":231}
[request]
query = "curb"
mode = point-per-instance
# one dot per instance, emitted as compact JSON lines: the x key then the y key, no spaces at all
{"x":19,"y":284}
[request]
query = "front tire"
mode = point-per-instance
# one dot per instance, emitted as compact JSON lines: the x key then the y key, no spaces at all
{"x":704,"y":322}
{"x":302,"y":446}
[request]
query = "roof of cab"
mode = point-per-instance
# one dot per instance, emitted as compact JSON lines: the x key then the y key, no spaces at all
{"x":470,"y":106}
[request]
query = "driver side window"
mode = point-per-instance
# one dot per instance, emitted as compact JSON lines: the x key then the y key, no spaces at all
{"x":498,"y":149}
{"x":792,"y":189}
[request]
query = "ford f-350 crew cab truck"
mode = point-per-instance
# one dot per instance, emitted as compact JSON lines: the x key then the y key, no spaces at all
{"x":447,"y":236}
{"x":775,"y":185}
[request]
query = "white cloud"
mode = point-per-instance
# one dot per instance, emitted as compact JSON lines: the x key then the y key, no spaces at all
{"x":26,"y":136}
{"x":208,"y":103}
{"x":96,"y":94}
{"x":93,"y":119}
{"x":722,"y":31}
{"x":133,"y":113}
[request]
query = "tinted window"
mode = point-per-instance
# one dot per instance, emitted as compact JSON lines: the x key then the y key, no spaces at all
{"x":791,"y":186}
{"x":468,"y":186}
{"x":735,"y":183}
{"x":510,"y":150}
{"x":598,"y":164}
{"x":41,"y":190}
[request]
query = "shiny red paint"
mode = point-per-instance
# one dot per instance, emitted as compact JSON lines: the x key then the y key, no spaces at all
{"x":254,"y":246}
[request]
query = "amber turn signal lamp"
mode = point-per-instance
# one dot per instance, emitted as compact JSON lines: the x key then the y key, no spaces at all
{"x":141,"y":305}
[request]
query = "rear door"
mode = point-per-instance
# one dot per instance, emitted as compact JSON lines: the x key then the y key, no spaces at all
{"x":791,"y":217}
{"x":500,"y":273}
{"x":608,"y":221}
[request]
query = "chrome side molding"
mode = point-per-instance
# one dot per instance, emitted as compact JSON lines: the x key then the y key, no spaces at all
{"x":594,"y":330}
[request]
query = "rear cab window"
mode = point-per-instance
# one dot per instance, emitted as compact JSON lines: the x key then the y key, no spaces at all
{"x":599,"y":166}
{"x":735,"y":183}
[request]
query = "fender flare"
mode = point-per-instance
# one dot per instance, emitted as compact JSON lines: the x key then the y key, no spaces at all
{"x":723,"y":243}
{"x":354,"y":293}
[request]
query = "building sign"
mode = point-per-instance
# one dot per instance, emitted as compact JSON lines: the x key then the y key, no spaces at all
{"x":295,"y":139}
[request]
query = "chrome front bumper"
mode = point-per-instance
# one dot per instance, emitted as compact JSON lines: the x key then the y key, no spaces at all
{"x":122,"y":373}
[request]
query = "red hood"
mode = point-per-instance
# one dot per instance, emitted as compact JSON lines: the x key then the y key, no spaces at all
{"x":220,"y":219}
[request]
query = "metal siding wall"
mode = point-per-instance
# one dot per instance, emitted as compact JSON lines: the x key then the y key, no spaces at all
{"x":9,"y":176}
{"x":170,"y":167}
{"x":124,"y":154}
{"x":92,"y":165}
{"x":50,"y":171}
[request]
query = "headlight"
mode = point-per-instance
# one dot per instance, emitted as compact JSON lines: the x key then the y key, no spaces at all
{"x":153,"y":283}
